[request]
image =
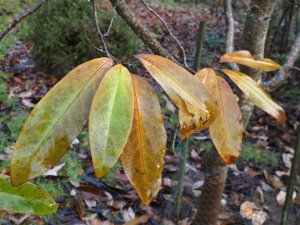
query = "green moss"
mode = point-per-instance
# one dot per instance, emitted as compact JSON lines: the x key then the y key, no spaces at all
{"x":72,"y":168}
{"x":55,"y":188}
{"x":262,"y":158}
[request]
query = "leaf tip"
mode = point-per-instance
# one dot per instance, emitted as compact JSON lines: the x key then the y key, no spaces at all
{"x":281,"y":117}
{"x":229,"y":159}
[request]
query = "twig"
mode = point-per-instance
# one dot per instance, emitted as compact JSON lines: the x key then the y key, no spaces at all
{"x":199,"y":45}
{"x":21,"y":17}
{"x":291,"y":183}
{"x":283,"y":73}
{"x":90,"y":42}
{"x":181,"y":173}
{"x":100,"y":34}
{"x":174,"y":139}
{"x":230,"y":30}
{"x":170,"y":33}
{"x":139,"y":29}
{"x":111,"y":23}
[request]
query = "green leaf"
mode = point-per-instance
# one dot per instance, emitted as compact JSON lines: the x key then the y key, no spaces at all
{"x":56,"y":120}
{"x":27,"y":199}
{"x":111,"y":118}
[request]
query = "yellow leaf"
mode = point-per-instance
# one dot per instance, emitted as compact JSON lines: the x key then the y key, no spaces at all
{"x":56,"y":120}
{"x":227,"y":129}
{"x":143,"y":157}
{"x":245,"y":58}
{"x":181,"y":86}
{"x":111,"y":118}
{"x":256,"y":94}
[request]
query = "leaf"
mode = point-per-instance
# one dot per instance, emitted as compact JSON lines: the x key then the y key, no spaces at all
{"x":181,"y":86}
{"x":192,"y":124}
{"x":27,"y":199}
{"x":245,"y":58}
{"x":143,"y":157}
{"x":227,"y":129}
{"x":56,"y":120}
{"x":111,"y":118}
{"x":256,"y":94}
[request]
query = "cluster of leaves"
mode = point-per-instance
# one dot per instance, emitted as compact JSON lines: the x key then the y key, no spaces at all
{"x":125,"y":119}
{"x":58,"y":50}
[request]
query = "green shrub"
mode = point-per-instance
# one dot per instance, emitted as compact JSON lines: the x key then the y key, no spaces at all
{"x":59,"y":32}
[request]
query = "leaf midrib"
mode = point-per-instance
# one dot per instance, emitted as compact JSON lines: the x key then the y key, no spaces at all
{"x":139,"y":130}
{"x":112,"y":109}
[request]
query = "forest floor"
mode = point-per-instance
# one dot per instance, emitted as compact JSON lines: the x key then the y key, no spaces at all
{"x":256,"y":183}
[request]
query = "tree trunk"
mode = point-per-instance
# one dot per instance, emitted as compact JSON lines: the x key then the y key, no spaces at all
{"x":210,"y":201}
{"x":254,"y":38}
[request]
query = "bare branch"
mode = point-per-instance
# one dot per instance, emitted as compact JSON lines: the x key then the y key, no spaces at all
{"x":142,"y":32}
{"x":100,"y":34}
{"x":90,"y":42}
{"x":170,"y":33}
{"x":21,"y":17}
{"x":230,"y":30}
{"x":111,"y":22}
{"x":283,"y":74}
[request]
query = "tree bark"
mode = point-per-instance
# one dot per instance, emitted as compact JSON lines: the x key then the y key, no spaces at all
{"x":210,"y":201}
{"x":254,"y":38}
{"x":230,"y":30}
{"x":142,"y":32}
{"x":283,"y":74}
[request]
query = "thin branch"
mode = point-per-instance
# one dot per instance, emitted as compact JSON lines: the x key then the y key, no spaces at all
{"x":230,"y":30}
{"x":283,"y":74}
{"x":90,"y":42}
{"x":21,"y":17}
{"x":142,"y":32}
{"x":111,"y":22}
{"x":290,"y":3}
{"x":100,"y":34}
{"x":170,"y":33}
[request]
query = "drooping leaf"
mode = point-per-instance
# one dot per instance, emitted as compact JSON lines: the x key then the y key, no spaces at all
{"x":256,"y":94}
{"x":143,"y":157}
{"x":227,"y":129}
{"x":56,"y":120}
{"x":27,"y":199}
{"x":190,"y":124}
{"x":245,"y":58}
{"x":181,"y":86}
{"x":111,"y":118}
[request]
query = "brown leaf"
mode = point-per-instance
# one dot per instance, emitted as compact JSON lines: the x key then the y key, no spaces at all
{"x":138,"y":220}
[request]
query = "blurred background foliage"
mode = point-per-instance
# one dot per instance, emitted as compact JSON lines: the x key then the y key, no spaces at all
{"x":63,"y":35}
